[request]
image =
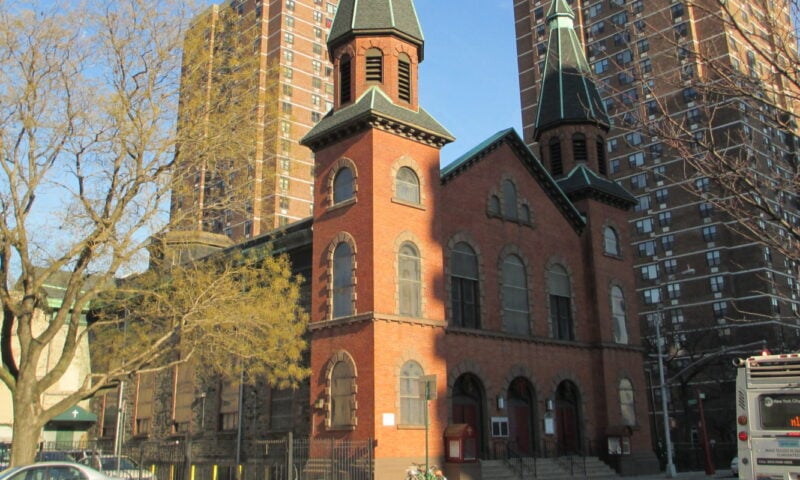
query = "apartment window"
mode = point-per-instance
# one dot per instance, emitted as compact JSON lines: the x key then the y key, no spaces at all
{"x":316,"y":117}
{"x":317,"y":33}
{"x":464,"y":293}
{"x":288,"y":37}
{"x":290,"y":5}
{"x":409,"y":280}
{"x":317,"y":16}
{"x":515,"y":296}
{"x":624,"y":78}
{"x":629,"y":97}
{"x":316,"y":48}
{"x":288,"y":72}
{"x":538,"y":14}
{"x":612,"y":145}
{"x":412,"y":403}
{"x":664,"y":219}
{"x":646,"y":65}
{"x":709,"y":233}
{"x":720,"y":309}
{"x":316,"y":83}
{"x":288,"y":56}
{"x":636,"y":160}
{"x":713,"y":258}
{"x":673,"y":291}
{"x":643,"y":45}
{"x":647,"y":249}
{"x":601,"y":66}
{"x":620,"y":18}
{"x":624,"y":57}
{"x":228,"y":405}
{"x":677,"y":10}
{"x":407,"y":186}
{"x":560,"y":302}
{"x":595,"y":10}
{"x":643,"y":204}
{"x":717,"y":283}
{"x":681,"y":30}
{"x":374,"y":65}
{"x":633,"y":138}
{"x":286,"y":108}
{"x":614,"y":166}
{"x":668,"y":242}
{"x":670,"y":266}
{"x":706,"y":209}
{"x":622,"y":38}
{"x":639,"y":181}
{"x":652,"y":296}
{"x":637,"y":6}
{"x":660,"y":173}
{"x":286,"y":127}
{"x":316,"y":66}
{"x":287,"y":90}
{"x":702,"y":184}
{"x":596,"y":28}
{"x":343,"y":262}
{"x":649,"y":272}
{"x":662,"y":195}
{"x":644,"y":225}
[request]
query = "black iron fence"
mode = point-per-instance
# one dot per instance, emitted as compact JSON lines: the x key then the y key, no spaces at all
{"x":282,"y":459}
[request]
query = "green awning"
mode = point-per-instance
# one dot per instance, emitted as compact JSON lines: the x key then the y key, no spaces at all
{"x":76,"y":414}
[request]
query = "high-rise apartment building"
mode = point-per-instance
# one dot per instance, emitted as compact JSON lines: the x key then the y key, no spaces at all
{"x":661,"y":66}
{"x":256,"y":78}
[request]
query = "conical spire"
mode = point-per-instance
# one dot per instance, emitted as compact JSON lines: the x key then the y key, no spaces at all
{"x":397,"y":17}
{"x":568,"y":93}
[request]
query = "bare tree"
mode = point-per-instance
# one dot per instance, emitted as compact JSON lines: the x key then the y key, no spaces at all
{"x":88,"y":114}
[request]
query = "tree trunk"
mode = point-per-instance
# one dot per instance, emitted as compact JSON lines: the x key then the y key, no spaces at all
{"x":27,"y":427}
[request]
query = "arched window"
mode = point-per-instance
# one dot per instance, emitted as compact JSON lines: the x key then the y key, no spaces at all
{"x":404,"y":77}
{"x":342,"y":390}
{"x":409,"y":280}
{"x":560,"y":303}
{"x":515,"y":296}
{"x":343,"y":187}
{"x":464,"y":294}
{"x":494,"y":205}
{"x":374,"y":65}
{"x":556,"y":164}
{"x":601,"y":157}
{"x":412,"y":405}
{"x":627,"y":403}
{"x":525,"y":213}
{"x":345,"y":75}
{"x":579,"y":147}
{"x":406,"y":185}
{"x":618,"y":314}
{"x":610,"y":241}
{"x":509,"y":200}
{"x":342,"y":280}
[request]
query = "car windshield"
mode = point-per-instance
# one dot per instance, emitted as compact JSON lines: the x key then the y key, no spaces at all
{"x":110,"y":463}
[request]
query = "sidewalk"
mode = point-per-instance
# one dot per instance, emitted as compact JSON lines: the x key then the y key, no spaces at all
{"x":701,"y":475}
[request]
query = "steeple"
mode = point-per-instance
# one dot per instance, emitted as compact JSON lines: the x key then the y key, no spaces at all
{"x":376,"y":17}
{"x":568,"y":93}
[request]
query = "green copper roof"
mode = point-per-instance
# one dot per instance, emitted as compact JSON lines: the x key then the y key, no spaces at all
{"x":568,"y":93}
{"x":375,"y":109}
{"x":397,"y":17}
{"x":583,"y":182}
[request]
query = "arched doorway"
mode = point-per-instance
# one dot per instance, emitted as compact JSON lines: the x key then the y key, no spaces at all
{"x":522,"y":416}
{"x":468,"y":402}
{"x":568,"y":421}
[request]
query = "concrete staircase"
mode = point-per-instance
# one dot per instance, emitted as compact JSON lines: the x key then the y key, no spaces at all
{"x":562,"y":468}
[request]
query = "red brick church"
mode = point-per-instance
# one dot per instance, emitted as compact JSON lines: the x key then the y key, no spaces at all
{"x":499,"y":282}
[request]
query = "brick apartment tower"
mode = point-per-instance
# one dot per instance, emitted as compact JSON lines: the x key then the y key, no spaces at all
{"x":713,"y":288}
{"x":270,"y":177}
{"x":361,"y":224}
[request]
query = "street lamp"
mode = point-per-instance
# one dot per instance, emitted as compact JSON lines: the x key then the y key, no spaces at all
{"x":670,"y":468}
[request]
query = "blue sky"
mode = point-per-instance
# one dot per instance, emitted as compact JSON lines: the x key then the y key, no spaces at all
{"x":468,"y":80}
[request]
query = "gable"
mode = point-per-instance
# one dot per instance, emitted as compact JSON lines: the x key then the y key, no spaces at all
{"x":518,"y":152}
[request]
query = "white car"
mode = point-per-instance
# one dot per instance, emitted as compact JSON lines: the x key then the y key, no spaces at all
{"x":118,"y":467}
{"x":735,"y":466}
{"x":52,"y":471}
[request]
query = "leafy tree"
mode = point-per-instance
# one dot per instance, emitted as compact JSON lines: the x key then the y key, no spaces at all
{"x":89,"y":102}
